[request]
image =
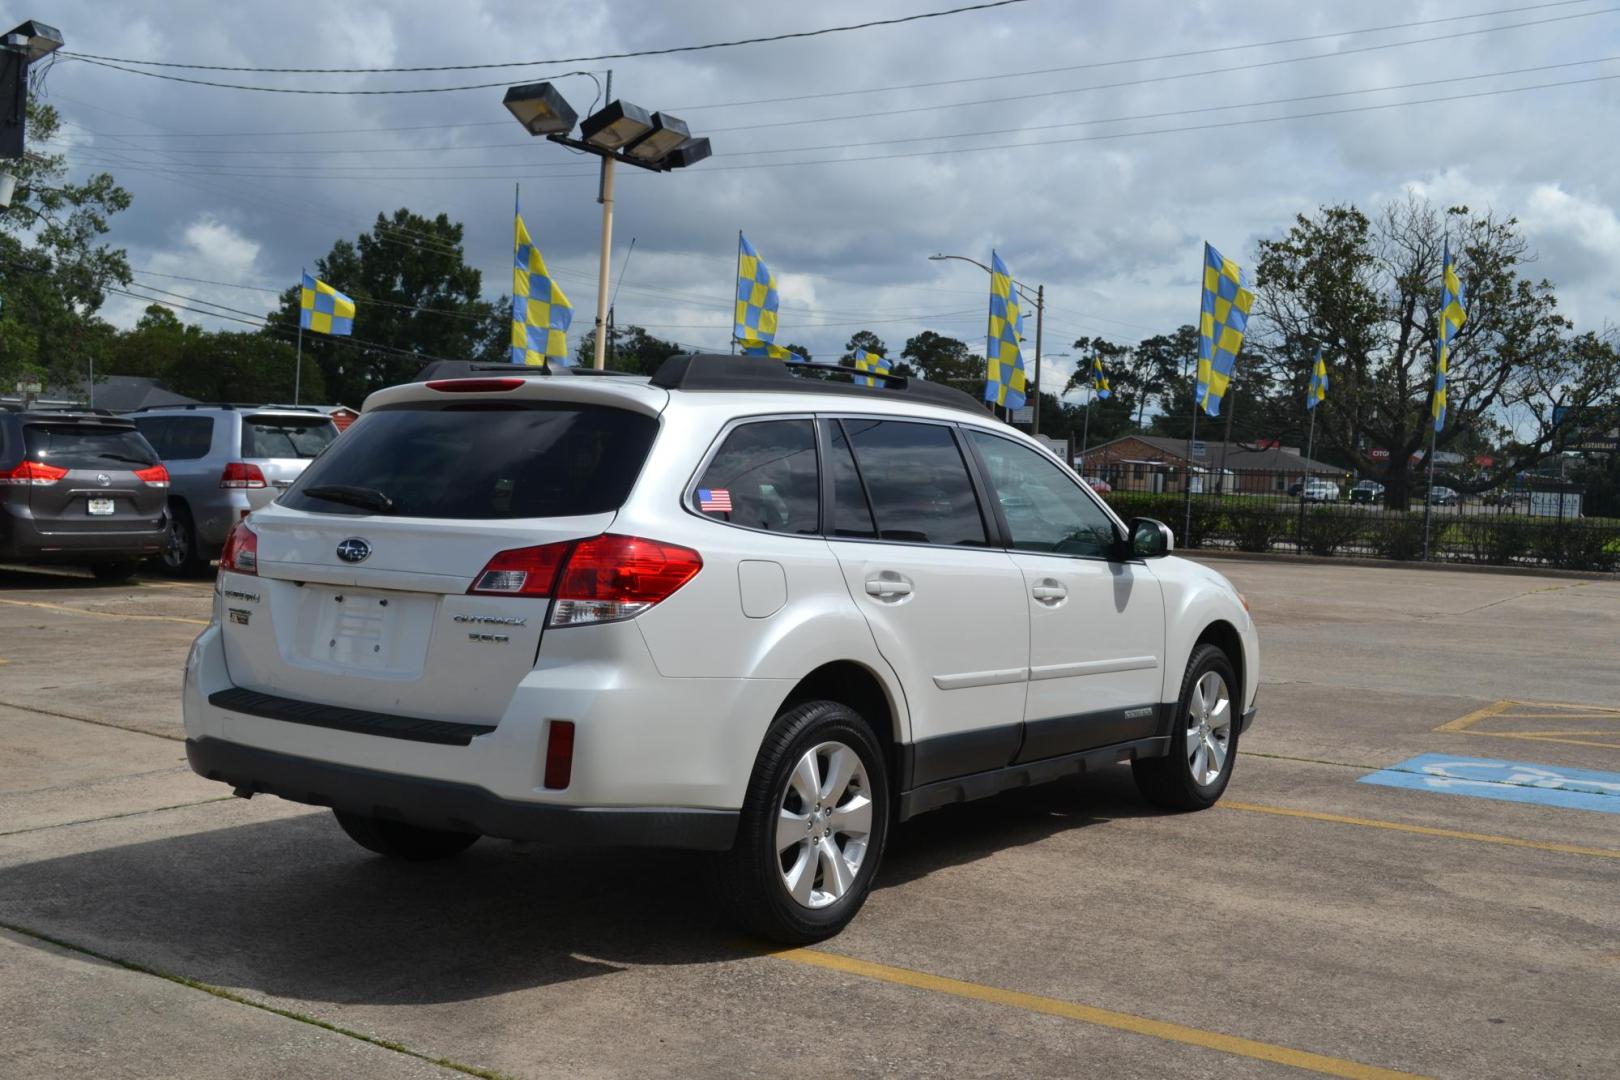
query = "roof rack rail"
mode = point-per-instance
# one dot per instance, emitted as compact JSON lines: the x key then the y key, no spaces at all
{"x":472,"y":369}
{"x":717,"y":371}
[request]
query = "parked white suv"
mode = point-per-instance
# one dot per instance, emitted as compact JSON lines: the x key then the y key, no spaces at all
{"x":738,"y":607}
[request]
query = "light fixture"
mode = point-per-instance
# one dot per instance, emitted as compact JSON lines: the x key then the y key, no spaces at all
{"x":616,"y":126}
{"x":689,"y":152}
{"x":667,"y":133}
{"x":34,"y":39}
{"x":8,"y":188}
{"x":540,"y":109}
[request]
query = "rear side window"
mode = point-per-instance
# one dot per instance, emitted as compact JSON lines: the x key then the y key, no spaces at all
{"x":285,"y":436}
{"x":918,"y":483}
{"x":764,"y":477}
{"x":852,"y":517}
{"x":188,"y":438}
{"x":79,"y":446}
{"x":474,"y":461}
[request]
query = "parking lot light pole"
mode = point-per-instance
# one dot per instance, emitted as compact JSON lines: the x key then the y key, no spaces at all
{"x":1040,"y":311}
{"x":620,"y":132}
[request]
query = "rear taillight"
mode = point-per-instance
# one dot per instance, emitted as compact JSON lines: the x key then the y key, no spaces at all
{"x":156,"y":476}
{"x":32,"y":474}
{"x":529,"y":571}
{"x":241,"y":474}
{"x":241,"y":554}
{"x":618,"y":577}
{"x":598,"y":580}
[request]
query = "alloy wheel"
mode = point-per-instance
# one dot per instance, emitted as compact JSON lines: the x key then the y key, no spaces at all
{"x":823,"y":825}
{"x":1209,"y":728}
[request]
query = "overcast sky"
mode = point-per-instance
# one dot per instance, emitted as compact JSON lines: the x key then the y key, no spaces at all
{"x":1107,"y":213}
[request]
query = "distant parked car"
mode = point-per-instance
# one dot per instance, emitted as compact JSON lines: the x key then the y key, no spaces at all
{"x":1296,"y":488}
{"x":226,"y":461}
{"x":1442,"y":496}
{"x":80,"y":487}
{"x":1367,"y":491}
{"x":1318,"y":490}
{"x":1098,"y":484}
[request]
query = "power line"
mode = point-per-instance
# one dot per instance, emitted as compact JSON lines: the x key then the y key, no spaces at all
{"x":1093,"y":65}
{"x":369,"y":300}
{"x":1166,"y":78}
{"x":870,"y":24}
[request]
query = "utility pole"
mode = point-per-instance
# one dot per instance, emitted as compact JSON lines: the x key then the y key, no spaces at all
{"x":1040,"y":314}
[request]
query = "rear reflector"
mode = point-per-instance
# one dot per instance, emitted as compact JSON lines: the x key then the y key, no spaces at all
{"x":241,"y":474}
{"x":559,"y":754}
{"x":32,"y":474}
{"x":157,"y":476}
{"x":473,"y":386}
{"x":241,"y":553}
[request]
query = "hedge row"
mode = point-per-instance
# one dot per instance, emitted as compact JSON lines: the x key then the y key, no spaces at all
{"x":1388,"y":534}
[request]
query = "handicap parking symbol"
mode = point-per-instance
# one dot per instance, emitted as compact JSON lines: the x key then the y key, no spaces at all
{"x":1508,"y":781}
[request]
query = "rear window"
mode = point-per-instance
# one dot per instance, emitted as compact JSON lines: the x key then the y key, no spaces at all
{"x":76,"y":446}
{"x":482,"y":461}
{"x":285,"y":436}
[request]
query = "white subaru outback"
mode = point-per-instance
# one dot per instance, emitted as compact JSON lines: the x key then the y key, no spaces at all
{"x":739,"y":607}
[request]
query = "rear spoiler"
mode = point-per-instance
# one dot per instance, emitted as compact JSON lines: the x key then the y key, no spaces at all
{"x":472,"y":369}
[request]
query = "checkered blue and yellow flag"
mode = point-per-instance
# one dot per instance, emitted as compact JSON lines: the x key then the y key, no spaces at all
{"x":1004,"y":382}
{"x":757,"y":300}
{"x":1316,"y":392}
{"x":324,"y":310}
{"x":775,"y":352}
{"x":1452,"y":316}
{"x":871,"y":361}
{"x":541,"y":314}
{"x":1224,"y":317}
{"x":1099,"y":379}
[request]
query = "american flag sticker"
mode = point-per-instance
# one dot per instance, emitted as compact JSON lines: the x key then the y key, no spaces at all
{"x":714,"y":500}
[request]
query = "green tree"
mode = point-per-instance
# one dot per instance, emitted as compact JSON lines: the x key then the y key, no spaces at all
{"x":860,"y":343}
{"x":415,"y":298}
{"x":942,"y":359}
{"x":1112,"y":416}
{"x":1369,"y":289}
{"x":633,"y":349}
{"x":54,"y":273}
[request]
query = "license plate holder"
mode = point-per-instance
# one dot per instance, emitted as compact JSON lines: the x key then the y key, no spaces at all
{"x":100,"y":507}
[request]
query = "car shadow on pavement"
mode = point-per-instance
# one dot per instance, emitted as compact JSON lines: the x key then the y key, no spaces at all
{"x":291,"y":908}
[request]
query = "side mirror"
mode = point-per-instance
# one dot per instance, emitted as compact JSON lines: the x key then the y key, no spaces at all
{"x":1149,"y":539}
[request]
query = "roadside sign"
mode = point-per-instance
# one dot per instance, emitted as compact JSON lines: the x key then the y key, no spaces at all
{"x":1025,"y":415}
{"x":1200,"y":448}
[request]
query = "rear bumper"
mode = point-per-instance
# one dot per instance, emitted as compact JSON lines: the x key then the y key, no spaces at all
{"x":441,"y":804}
{"x":21,"y":537}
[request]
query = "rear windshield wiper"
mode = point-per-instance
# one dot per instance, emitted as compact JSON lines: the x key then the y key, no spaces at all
{"x":352,"y":495}
{"x":124,"y":457}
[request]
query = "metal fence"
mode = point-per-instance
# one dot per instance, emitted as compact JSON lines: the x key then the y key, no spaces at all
{"x":1273,"y":511}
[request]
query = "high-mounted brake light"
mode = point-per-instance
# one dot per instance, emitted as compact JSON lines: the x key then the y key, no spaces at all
{"x":157,"y":476}
{"x":32,"y":474}
{"x":241,"y":554}
{"x":241,"y":474}
{"x":603,"y":579}
{"x":473,"y":386}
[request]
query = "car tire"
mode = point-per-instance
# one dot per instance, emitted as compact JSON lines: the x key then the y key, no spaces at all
{"x":400,"y":840}
{"x":1205,"y":728}
{"x":115,"y":573}
{"x":179,"y":555}
{"x":820,"y":765}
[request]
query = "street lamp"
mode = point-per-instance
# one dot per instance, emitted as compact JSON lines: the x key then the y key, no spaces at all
{"x":21,"y":46}
{"x":1040,"y":311}
{"x":619,"y":132}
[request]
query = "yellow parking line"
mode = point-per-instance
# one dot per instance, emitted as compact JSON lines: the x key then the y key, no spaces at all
{"x":1463,"y":723}
{"x":1108,"y":1018}
{"x":1422,"y":830}
{"x":64,"y":608}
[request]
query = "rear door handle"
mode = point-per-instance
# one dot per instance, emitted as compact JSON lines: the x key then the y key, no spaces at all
{"x":884,"y":588}
{"x":1049,"y":592}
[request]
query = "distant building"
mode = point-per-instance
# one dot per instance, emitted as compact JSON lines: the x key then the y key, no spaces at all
{"x":342,"y":416}
{"x":118,"y":393}
{"x":1156,"y":463}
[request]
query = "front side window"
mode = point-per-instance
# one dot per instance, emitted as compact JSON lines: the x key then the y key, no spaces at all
{"x":764,"y":476}
{"x":917,"y":481}
{"x":1045,"y":509}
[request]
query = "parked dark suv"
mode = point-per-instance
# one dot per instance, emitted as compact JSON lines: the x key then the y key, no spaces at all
{"x":80,"y":487}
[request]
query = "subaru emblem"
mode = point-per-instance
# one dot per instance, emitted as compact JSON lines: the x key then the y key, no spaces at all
{"x":353,"y":549}
{"x":103,"y":479}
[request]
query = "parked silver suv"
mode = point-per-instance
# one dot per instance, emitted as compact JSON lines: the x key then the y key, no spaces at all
{"x":224,"y":462}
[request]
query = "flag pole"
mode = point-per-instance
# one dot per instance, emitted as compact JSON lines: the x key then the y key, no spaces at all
{"x":1192,"y":436}
{"x":298,"y":365}
{"x":1085,"y":431}
{"x":1310,"y":446}
{"x":1428,"y":496}
{"x":736,"y":278}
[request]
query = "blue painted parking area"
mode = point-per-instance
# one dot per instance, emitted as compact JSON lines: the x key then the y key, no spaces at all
{"x":1509,"y":781}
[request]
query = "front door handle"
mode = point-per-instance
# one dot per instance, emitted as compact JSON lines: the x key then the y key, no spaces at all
{"x":886,"y":588}
{"x":1049,"y":592}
